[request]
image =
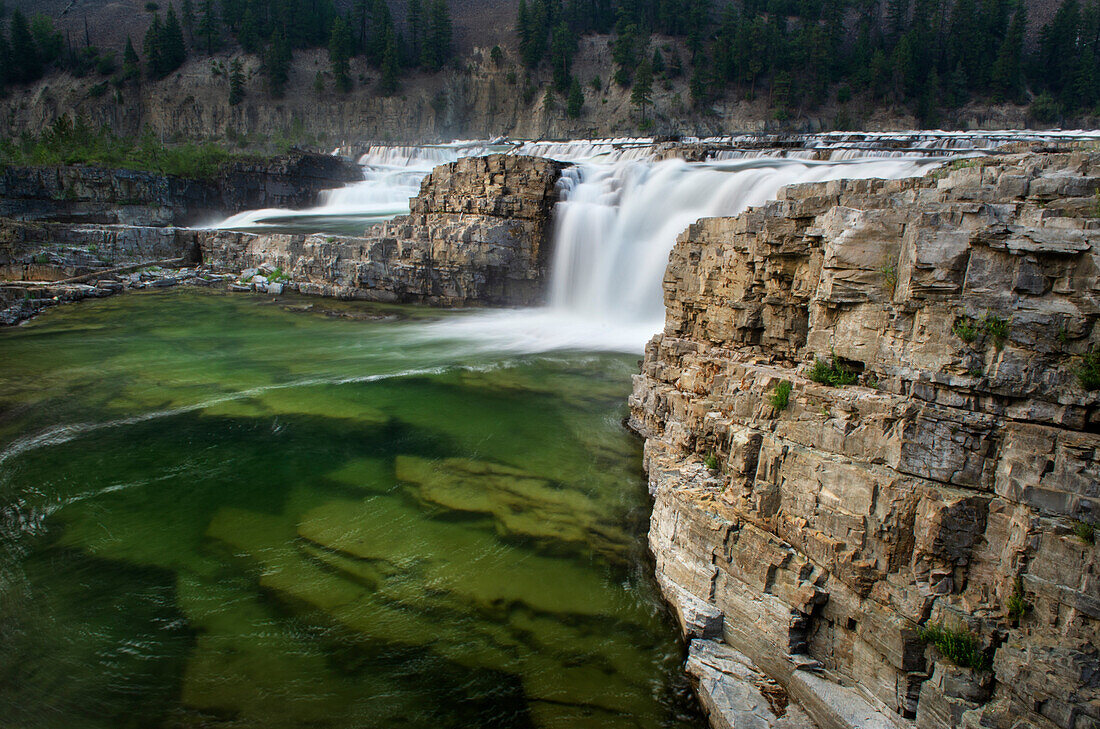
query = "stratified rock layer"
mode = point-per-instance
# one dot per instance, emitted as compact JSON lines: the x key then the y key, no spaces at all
{"x":947,"y":487}
{"x":476,"y":236}
{"x":94,"y":195}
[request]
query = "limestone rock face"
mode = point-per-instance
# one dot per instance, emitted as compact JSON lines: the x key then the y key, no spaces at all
{"x":93,"y":195}
{"x":946,"y":486}
{"x":34,"y":251}
{"x":476,"y":236}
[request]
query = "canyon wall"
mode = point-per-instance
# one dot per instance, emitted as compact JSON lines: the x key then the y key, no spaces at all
{"x":93,"y":195}
{"x":476,"y":236}
{"x":477,"y":99}
{"x":816,"y":523}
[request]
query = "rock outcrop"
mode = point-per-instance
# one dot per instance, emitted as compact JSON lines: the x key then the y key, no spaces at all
{"x":937,"y":470}
{"x":31,"y":251}
{"x":93,"y":195}
{"x":476,"y":236}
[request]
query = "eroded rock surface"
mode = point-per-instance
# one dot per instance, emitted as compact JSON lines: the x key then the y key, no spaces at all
{"x":476,"y":236}
{"x":93,"y":195}
{"x":946,"y":487}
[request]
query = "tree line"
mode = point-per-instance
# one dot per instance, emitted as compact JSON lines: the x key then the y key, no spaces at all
{"x":271,"y":29}
{"x":929,"y":55}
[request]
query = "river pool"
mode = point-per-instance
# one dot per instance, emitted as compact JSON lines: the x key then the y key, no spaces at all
{"x":226,"y":511}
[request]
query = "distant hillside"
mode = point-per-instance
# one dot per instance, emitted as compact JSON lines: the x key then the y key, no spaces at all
{"x":352,"y":69}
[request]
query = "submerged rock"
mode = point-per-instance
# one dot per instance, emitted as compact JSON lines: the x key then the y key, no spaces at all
{"x":522,"y":505}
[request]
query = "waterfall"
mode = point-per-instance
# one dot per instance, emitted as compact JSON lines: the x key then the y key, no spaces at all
{"x":391,"y":175}
{"x":621,"y":210}
{"x":617,"y":223}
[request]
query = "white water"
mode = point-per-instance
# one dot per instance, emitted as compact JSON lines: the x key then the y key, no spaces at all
{"x":620,"y":215}
{"x":391,"y":175}
{"x":613,"y":233}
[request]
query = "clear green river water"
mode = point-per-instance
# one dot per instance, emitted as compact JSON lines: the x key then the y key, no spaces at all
{"x":222,"y":511}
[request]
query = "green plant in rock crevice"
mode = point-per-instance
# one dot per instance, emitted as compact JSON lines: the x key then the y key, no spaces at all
{"x":832,"y":373}
{"x":711,"y":462}
{"x":781,"y":396}
{"x":889,"y":278}
{"x":996,"y":328}
{"x":959,"y":646}
{"x":1018,"y":606}
{"x":1088,"y":374}
{"x":1085,"y":532}
{"x":965,"y":329}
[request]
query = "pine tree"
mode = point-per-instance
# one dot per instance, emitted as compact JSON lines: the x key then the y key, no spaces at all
{"x":416,"y":30}
{"x":699,"y":85}
{"x":151,"y":46}
{"x":523,"y":29}
{"x":658,"y":62}
{"x":6,"y":63}
{"x":623,"y":52}
{"x":232,"y":13}
{"x":48,"y":40}
{"x":532,"y":27}
{"x":188,"y":12}
{"x":236,"y":82}
{"x":339,"y":54}
{"x":131,"y":64}
{"x":562,"y":48}
{"x":1007,"y":70}
{"x":388,"y":84}
{"x":927,"y":108}
{"x":437,"y":44}
{"x":250,"y":29}
{"x":362,"y":14}
{"x":382,"y":28}
{"x":26,"y":65}
{"x":574,"y":103}
{"x":1085,"y":79}
{"x":173,"y":52}
{"x":642,"y":94}
{"x":277,"y":64}
{"x":208,"y":27}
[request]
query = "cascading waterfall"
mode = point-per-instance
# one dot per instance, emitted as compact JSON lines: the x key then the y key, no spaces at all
{"x":617,"y":224}
{"x":621,"y":211}
{"x":391,"y":175}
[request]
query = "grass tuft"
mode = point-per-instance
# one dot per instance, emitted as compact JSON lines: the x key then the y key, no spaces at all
{"x":1018,"y":606}
{"x":1088,"y":374}
{"x":996,"y":328}
{"x":961,"y":647}
{"x":781,"y":396}
{"x":832,"y":373}
{"x":966,"y":329}
{"x":1085,"y":532}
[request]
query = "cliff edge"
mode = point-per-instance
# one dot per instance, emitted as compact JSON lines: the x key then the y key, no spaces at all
{"x":477,"y":235}
{"x":872,"y":433}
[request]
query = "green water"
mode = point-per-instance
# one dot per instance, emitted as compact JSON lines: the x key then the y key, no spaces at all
{"x":220,"y":511}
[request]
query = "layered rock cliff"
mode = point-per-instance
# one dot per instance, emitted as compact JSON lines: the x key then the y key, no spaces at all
{"x":872,"y":434}
{"x":83,"y":194}
{"x":476,"y":236}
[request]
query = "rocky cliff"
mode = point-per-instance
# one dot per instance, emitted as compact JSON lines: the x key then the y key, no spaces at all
{"x":872,"y":433}
{"x":103,"y":196}
{"x":476,"y":236}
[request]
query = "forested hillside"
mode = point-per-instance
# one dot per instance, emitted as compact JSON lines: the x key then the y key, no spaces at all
{"x":790,"y":57}
{"x":930,"y":54}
